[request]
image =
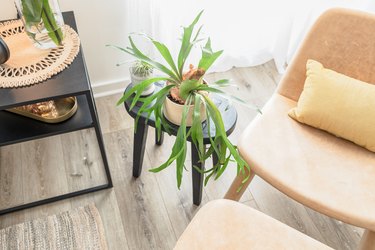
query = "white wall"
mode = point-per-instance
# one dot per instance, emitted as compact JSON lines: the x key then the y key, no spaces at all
{"x":99,"y":22}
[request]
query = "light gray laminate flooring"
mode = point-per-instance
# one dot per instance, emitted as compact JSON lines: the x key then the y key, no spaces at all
{"x":148,"y":212}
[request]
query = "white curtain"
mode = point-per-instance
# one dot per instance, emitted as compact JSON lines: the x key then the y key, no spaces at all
{"x":250,"y":32}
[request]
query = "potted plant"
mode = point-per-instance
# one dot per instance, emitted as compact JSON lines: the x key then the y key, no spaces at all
{"x":139,"y":72}
{"x":187,"y":96}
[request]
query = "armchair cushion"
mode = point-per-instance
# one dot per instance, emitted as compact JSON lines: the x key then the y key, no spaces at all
{"x":326,"y":173}
{"x":338,"y":104}
{"x":225,"y":224}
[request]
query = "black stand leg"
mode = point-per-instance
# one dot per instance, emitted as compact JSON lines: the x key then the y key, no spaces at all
{"x":197,"y":176}
{"x":139,"y":143}
{"x":157,"y":141}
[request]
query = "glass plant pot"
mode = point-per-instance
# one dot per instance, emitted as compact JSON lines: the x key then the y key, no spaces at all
{"x":43,"y":22}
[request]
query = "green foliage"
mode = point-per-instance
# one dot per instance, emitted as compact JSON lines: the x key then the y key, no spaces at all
{"x":35,"y":11}
{"x":208,"y":56}
{"x":191,"y":91}
{"x":49,"y":20}
{"x":187,"y":86}
{"x":32,"y":10}
{"x":142,"y":69}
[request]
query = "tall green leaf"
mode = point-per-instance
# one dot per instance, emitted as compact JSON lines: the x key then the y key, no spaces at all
{"x":186,"y":44}
{"x":139,"y":88}
{"x":166,"y":54}
{"x":196,"y":128}
{"x":32,"y":10}
{"x":208,"y":56}
{"x":178,"y":153}
{"x":134,"y":51}
{"x":50,"y":23}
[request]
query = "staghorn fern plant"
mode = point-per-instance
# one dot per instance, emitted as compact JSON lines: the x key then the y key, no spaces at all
{"x":186,"y":88}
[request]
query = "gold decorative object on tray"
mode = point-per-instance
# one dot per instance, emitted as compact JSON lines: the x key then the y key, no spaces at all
{"x":53,"y":111}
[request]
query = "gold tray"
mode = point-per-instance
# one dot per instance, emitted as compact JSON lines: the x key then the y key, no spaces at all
{"x":65,"y":108}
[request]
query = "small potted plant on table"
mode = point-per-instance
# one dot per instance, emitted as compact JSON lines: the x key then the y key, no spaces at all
{"x":185,"y":101}
{"x":139,"y":72}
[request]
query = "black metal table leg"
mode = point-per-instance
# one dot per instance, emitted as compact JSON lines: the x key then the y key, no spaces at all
{"x":99,"y":136}
{"x":159,"y":141}
{"x":140,"y":137}
{"x":196,"y":175}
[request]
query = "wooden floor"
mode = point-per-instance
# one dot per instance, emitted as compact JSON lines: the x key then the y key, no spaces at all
{"x":148,"y":212}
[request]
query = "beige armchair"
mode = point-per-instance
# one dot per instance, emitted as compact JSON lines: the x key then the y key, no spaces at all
{"x":226,"y":225}
{"x":328,"y":174}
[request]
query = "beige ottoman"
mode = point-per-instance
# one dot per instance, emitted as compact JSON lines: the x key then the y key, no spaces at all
{"x":226,"y":224}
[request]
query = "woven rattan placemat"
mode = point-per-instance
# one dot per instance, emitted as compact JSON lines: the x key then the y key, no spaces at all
{"x":29,"y":65}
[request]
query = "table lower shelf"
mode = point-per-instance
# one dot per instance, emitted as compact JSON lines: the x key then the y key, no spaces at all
{"x":15,"y":128}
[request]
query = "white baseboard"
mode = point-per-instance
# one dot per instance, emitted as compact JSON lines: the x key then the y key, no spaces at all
{"x":109,"y":88}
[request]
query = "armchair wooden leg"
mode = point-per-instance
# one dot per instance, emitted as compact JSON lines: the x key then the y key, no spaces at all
{"x":367,"y":241}
{"x":232,"y":193}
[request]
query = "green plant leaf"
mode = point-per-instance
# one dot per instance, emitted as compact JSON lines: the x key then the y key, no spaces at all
{"x":178,"y":153}
{"x":32,"y":11}
{"x":208,"y":56}
{"x":156,"y":108}
{"x":196,"y":38}
{"x":213,"y":147}
{"x":228,"y":96}
{"x":187,"y":44}
{"x":222,"y":81}
{"x":196,"y":128}
{"x":222,"y":169}
{"x":221,"y":133}
{"x":182,"y":141}
{"x":186,"y":87}
{"x":139,"y":88}
{"x":134,"y":51}
{"x":49,"y":20}
{"x":165,"y":53}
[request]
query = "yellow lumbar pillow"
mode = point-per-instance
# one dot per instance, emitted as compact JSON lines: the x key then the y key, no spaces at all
{"x":337,"y":104}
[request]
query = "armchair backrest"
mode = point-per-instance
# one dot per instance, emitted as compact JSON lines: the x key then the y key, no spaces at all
{"x":342,"y":40}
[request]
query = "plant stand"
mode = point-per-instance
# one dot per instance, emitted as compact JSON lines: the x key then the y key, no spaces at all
{"x":228,"y":113}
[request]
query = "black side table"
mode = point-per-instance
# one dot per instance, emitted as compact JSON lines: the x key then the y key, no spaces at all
{"x":73,"y":81}
{"x":228,"y":113}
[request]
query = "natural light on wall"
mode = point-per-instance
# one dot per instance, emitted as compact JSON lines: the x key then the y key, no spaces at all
{"x":251,"y":32}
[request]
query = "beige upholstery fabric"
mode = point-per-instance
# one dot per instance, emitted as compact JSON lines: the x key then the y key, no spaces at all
{"x":342,"y":40}
{"x":224,"y":224}
{"x":329,"y":174}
